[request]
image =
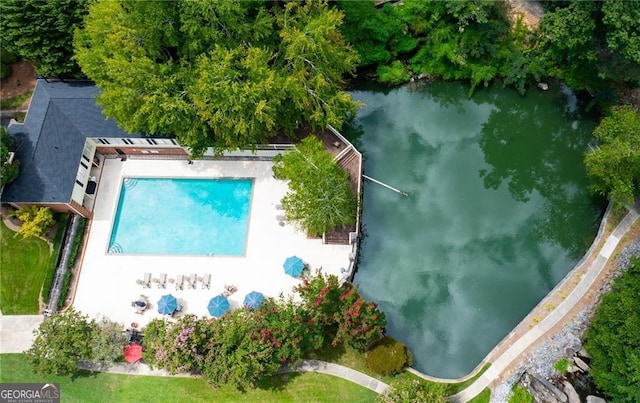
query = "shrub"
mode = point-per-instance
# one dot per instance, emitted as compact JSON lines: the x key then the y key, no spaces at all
{"x":388,"y":357}
{"x":393,"y":74}
{"x":35,"y":221}
{"x":360,"y":323}
{"x":520,"y":395}
{"x":76,"y":243}
{"x":64,"y":290}
{"x":154,"y":335}
{"x":561,"y":365}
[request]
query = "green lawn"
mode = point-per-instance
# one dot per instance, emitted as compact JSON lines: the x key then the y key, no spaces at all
{"x":102,"y":387}
{"x":483,"y":397}
{"x":25,"y":263}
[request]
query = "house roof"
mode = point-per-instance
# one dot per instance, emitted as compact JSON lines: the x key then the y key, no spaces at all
{"x":49,"y":144}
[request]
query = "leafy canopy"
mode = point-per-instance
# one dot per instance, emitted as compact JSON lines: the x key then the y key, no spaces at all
{"x":613,"y":338}
{"x":614,"y":166}
{"x":36,"y":221}
{"x":60,"y":342}
{"x":42,"y":32}
{"x":221,"y":74}
{"x":320,"y":196}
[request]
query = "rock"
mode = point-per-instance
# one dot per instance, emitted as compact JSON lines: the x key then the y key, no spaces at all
{"x":570,"y":391}
{"x":422,"y":76}
{"x":583,"y":353}
{"x":543,"y":86}
{"x":543,"y":391}
{"x":595,"y":399}
{"x":572,"y":368}
{"x":581,"y":364}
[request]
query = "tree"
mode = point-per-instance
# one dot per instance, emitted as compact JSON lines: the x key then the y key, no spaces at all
{"x":614,"y":166}
{"x":613,"y":338}
{"x":42,"y":32}
{"x":378,"y":36}
{"x":223,"y":75}
{"x":320,"y":196}
{"x":591,"y":44}
{"x":36,"y":221}
{"x":8,"y":171}
{"x":61,"y":341}
{"x":414,"y":391}
{"x":108,"y":342}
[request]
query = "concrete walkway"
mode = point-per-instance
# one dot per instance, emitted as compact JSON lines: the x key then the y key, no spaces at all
{"x":339,"y":371}
{"x":16,"y":332}
{"x":514,"y":352}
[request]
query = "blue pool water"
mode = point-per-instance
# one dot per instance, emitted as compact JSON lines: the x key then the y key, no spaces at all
{"x":182,"y":216}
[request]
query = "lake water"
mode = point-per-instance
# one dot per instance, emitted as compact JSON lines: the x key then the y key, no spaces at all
{"x":498,"y":212}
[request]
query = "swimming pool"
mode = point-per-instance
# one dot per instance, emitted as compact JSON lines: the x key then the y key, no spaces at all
{"x":169,"y":216}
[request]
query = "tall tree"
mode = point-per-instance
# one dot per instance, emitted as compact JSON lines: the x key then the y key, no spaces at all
{"x":613,"y":338}
{"x":42,"y":32}
{"x":217,"y":74}
{"x":61,"y":341}
{"x":614,"y":166}
{"x":320,"y":196}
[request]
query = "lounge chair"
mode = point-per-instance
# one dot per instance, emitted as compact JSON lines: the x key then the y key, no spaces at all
{"x":179,"y":281}
{"x":206,"y":281}
{"x":192,"y":281}
{"x":162,"y":282}
{"x":146,"y":283}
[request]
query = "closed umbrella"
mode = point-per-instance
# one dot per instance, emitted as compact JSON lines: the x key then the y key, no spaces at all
{"x":133,"y":353}
{"x":218,"y":305}
{"x":167,"y":304}
{"x":253,"y":299}
{"x":293,"y":266}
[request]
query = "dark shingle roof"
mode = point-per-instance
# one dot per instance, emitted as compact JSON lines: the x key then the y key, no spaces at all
{"x":49,"y":144}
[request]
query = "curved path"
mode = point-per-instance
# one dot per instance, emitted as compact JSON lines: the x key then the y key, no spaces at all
{"x":517,"y":348}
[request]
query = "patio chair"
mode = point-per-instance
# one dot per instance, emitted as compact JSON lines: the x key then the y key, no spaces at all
{"x":179,"y":281}
{"x":162,"y":281}
{"x":146,"y":283}
{"x":206,"y":281}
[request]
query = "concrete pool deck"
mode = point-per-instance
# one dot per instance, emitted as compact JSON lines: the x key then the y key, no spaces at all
{"x":107,"y":282}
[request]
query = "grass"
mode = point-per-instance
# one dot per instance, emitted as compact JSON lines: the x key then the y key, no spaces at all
{"x":25,"y":264}
{"x":102,"y":387}
{"x":15,"y":102}
{"x":353,"y":359}
{"x":483,"y":397}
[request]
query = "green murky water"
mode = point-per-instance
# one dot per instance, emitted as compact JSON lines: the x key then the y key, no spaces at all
{"x":499,"y":211}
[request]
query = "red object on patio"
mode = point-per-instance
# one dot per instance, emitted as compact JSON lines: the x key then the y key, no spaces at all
{"x":133,"y":353}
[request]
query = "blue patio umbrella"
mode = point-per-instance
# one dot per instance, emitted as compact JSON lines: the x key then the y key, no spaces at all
{"x":293,"y":266}
{"x":167,"y":304}
{"x":253,"y":299}
{"x":218,"y":305}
